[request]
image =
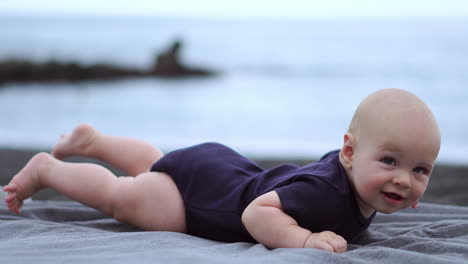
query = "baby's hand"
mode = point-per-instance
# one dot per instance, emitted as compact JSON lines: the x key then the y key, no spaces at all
{"x":326,"y":240}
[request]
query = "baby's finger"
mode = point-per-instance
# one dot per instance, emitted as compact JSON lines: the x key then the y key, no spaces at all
{"x":324,"y":245}
{"x":319,"y":241}
{"x":338,"y":244}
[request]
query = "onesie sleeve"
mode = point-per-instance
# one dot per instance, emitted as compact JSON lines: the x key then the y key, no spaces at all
{"x":314,"y":203}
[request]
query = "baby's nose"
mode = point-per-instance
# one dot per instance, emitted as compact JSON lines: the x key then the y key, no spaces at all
{"x":403,"y":180}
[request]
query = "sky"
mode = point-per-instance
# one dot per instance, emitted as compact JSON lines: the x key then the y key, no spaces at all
{"x":243,"y":8}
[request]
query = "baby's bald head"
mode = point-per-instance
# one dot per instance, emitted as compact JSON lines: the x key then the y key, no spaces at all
{"x":390,"y":110}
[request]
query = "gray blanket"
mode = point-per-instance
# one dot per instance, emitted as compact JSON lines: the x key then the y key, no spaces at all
{"x":67,"y":232}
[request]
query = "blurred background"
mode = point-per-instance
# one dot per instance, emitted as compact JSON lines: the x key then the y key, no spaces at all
{"x":289,"y":74}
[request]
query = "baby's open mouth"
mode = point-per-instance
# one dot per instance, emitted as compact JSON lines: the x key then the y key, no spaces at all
{"x":394,"y":196}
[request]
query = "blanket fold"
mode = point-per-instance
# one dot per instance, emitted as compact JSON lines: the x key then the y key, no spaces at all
{"x":52,"y":231}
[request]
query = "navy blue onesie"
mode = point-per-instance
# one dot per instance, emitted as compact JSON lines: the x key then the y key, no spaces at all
{"x":217,"y":184}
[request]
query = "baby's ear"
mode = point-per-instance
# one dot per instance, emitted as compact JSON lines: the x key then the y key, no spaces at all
{"x":347,"y":151}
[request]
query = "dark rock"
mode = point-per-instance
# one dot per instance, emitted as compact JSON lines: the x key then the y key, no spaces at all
{"x":167,"y":64}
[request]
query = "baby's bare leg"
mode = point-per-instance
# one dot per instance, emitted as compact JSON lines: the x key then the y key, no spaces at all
{"x":150,"y":201}
{"x":131,"y":155}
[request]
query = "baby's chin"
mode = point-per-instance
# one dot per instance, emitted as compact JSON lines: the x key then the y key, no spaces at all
{"x":390,"y":210}
{"x":387,"y":211}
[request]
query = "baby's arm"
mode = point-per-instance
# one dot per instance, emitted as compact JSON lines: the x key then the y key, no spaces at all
{"x":269,"y":225}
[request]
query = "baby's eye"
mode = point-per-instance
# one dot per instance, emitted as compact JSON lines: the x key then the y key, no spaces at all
{"x":389,"y":161}
{"x":420,"y":170}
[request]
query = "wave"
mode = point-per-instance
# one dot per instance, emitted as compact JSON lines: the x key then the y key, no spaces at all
{"x":348,"y":72}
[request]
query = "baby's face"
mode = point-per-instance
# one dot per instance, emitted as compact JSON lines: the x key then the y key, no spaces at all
{"x":392,"y":165}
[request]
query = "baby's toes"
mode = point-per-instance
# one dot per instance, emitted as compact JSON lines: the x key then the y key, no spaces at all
{"x":12,"y":202}
{"x":10,"y":188}
{"x":14,"y":206}
{"x":18,"y":207}
{"x":10,"y":197}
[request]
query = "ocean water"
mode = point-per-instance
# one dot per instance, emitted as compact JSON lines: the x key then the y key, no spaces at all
{"x":288,"y":88}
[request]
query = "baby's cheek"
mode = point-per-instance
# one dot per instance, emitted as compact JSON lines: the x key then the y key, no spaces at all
{"x":373,"y":183}
{"x":418,"y":190}
{"x":368,"y":187}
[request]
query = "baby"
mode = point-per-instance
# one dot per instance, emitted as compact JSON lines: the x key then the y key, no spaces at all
{"x":211,"y":191}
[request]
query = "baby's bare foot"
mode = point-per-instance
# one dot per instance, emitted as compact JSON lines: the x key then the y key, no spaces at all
{"x":75,"y":144}
{"x":26,"y":182}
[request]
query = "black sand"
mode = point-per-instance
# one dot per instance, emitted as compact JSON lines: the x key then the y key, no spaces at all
{"x":448,"y":185}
